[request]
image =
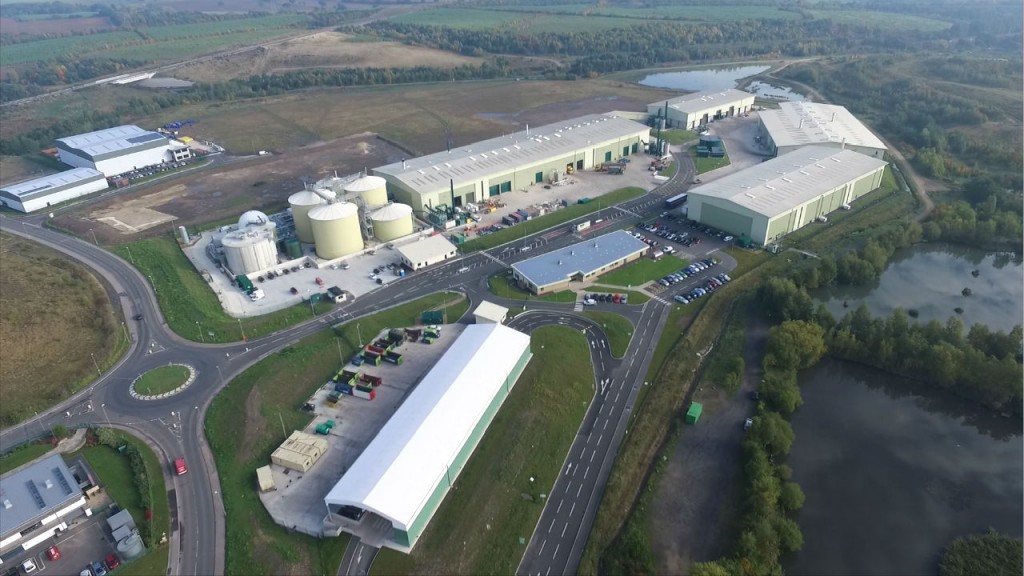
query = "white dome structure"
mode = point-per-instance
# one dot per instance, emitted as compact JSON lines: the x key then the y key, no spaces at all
{"x":252,"y":218}
{"x":336,"y":230}
{"x":301,"y":203}
{"x":249,"y":251}
{"x":392,"y":221}
{"x":372,"y":189}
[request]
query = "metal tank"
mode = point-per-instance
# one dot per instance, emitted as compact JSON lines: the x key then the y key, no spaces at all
{"x":252,"y":218}
{"x":392,"y":221}
{"x":248,"y":252}
{"x":372,"y":189}
{"x":336,"y":229}
{"x":131,"y":547}
{"x":301,"y":203}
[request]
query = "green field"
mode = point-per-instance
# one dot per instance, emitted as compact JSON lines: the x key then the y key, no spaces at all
{"x":518,"y":22}
{"x":275,"y":388}
{"x":500,"y":286}
{"x":883,"y":20}
{"x":188,"y":304}
{"x":161,"y":380}
{"x":643,"y":271}
{"x":478,"y":527}
{"x":546,"y":221}
{"x":617,"y":328}
{"x":689,"y":12}
{"x":708,"y":164}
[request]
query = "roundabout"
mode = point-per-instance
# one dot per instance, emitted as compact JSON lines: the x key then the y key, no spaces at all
{"x":162,"y":382}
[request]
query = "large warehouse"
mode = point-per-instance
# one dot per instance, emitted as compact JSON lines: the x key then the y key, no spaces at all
{"x":118,"y":150}
{"x":512,"y":162}
{"x":693,"y":110}
{"x":553,"y":271}
{"x":798,"y":124}
{"x":772,"y":199}
{"x":405,"y":472}
{"x":51,"y":190}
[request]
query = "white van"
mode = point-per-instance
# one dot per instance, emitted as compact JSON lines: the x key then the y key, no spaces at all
{"x":256,"y":295}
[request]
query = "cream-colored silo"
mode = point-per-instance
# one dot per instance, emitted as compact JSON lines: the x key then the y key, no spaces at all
{"x":336,"y":230}
{"x":392,"y":221}
{"x":301,"y":203}
{"x":249,"y":251}
{"x":372,"y":189}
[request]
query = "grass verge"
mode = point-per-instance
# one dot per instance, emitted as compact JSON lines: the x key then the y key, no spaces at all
{"x":642,"y":271}
{"x":500,"y":285}
{"x":746,"y":259}
{"x":269,"y":393}
{"x":161,"y":380}
{"x":725,"y":365}
{"x":478,"y":527}
{"x":675,"y":136}
{"x":707,"y":164}
{"x":190,"y":306}
{"x":23,"y":454}
{"x":562,"y":216}
{"x":617,"y":328}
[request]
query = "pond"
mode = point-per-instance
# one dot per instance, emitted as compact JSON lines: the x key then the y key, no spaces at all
{"x":773,"y":92}
{"x":930,"y":278}
{"x":717,"y":78}
{"x":894,"y":471}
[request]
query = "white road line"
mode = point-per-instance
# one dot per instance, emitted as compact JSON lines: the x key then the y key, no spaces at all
{"x":560,"y":502}
{"x":599,"y":439}
{"x":585,"y":472}
{"x":551,"y":526}
{"x":566,"y":527}
{"x":555,"y":553}
{"x":579,"y":490}
{"x":602,"y":428}
{"x":542,"y":544}
{"x":594,"y":453}
{"x":548,"y":572}
{"x":617,"y":396}
{"x":571,"y":509}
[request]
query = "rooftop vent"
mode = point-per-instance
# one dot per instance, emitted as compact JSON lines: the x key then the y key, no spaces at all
{"x":787,"y":180}
{"x":7,"y":504}
{"x":48,"y":484}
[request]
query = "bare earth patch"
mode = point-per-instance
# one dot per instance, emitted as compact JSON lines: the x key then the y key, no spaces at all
{"x":130,"y":220}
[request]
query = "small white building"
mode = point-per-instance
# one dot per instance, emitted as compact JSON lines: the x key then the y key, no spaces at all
{"x":426,"y":251}
{"x":490,"y":313}
{"x":46,"y":191}
{"x":119,"y":150}
{"x":36,"y":501}
{"x":692,"y":110}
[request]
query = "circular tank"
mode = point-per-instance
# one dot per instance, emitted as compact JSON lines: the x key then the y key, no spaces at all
{"x":336,"y":229}
{"x":301,"y":203}
{"x":248,"y":252}
{"x":131,"y":547}
{"x":372,"y":189}
{"x":252,"y":218}
{"x":392,"y":221}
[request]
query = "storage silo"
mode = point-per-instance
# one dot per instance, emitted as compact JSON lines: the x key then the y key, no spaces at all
{"x":392,"y":221}
{"x":301,"y":203}
{"x":249,"y":251}
{"x":336,"y":229}
{"x":372,"y":189}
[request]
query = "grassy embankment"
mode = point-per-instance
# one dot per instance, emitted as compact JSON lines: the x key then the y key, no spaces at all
{"x":269,"y":393}
{"x":190,"y":306}
{"x":500,"y":285}
{"x":642,"y":271}
{"x":59,"y":329}
{"x":617,"y":328}
{"x":546,"y":221}
{"x":115,"y":474}
{"x":23,"y":454}
{"x":161,"y":380}
{"x":478,"y":527}
{"x":707,"y":164}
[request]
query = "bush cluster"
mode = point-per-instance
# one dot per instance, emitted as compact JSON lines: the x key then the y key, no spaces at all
{"x":140,"y":476}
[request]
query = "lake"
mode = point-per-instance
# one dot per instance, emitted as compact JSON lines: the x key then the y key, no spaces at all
{"x":894,"y":471}
{"x":930,"y":277}
{"x":717,"y":78}
{"x":773,"y":92}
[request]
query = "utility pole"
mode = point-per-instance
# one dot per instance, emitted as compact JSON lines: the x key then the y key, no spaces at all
{"x":129,"y":249}
{"x":97,"y":366}
{"x":340,"y":358}
{"x":199,"y":328}
{"x":242,"y":330}
{"x":360,"y":333}
{"x":125,"y":329}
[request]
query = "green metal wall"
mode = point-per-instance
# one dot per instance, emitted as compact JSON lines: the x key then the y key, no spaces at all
{"x":724,"y":219}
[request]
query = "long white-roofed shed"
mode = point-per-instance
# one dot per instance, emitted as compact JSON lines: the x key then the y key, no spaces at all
{"x":773,"y":198}
{"x":405,"y":472}
{"x":477,"y":171}
{"x":798,"y":124}
{"x":51,"y":190}
{"x":691,"y":110}
{"x":119,"y":150}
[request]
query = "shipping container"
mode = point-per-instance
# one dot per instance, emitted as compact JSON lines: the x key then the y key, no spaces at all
{"x":413,"y":334}
{"x":323,"y":430}
{"x":371,"y":379}
{"x":394,"y":358}
{"x":366,"y":395}
{"x":583,"y":201}
{"x":372,"y":358}
{"x":357,"y":360}
{"x":376,"y":349}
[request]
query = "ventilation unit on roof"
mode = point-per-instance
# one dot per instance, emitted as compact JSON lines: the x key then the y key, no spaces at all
{"x":506,"y":149}
{"x":473,"y":158}
{"x":558,"y":135}
{"x":819,"y":165}
{"x":48,"y":484}
{"x":7,"y":504}
{"x":483,"y":154}
{"x":447,"y":164}
{"x":749,"y":195}
{"x":420,"y":171}
{"x":787,"y":180}
{"x":835,"y":159}
{"x":805,"y":173}
{"x":769,"y":186}
{"x":436,"y":168}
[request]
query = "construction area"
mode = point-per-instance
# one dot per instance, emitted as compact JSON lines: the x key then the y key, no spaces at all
{"x":349,"y":411}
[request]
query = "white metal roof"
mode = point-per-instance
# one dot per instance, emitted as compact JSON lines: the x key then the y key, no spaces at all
{"x":51,"y":181}
{"x":514,"y":151}
{"x":491,"y":311}
{"x":700,"y":101}
{"x":426,"y":249}
{"x":364,"y":183}
{"x":583,"y":257}
{"x":403,"y":464}
{"x":781,"y":184}
{"x":108,"y":140}
{"x":34,"y":491}
{"x":800,"y":123}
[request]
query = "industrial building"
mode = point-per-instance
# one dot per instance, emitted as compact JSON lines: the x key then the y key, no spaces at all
{"x":490,"y":313}
{"x":798,"y":124}
{"x":37,"y":501}
{"x":118,"y":150}
{"x":554,"y":270}
{"x":405,"y":472}
{"x":475,"y":172}
{"x":426,"y":251}
{"x":693,"y":110}
{"x":46,"y":191}
{"x":773,"y":198}
{"x":299,"y":452}
{"x":252,"y":246}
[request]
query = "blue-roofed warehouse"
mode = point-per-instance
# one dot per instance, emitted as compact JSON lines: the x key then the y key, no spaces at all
{"x":119,"y":150}
{"x":554,"y":270}
{"x":36,"y":500}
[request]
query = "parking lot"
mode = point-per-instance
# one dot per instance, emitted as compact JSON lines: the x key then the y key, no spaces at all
{"x":85,"y":541}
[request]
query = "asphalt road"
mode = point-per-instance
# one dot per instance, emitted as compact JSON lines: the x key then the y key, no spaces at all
{"x":174,"y":426}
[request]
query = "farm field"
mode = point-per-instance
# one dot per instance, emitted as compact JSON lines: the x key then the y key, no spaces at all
{"x":49,"y":342}
{"x":22,"y":26}
{"x":883,"y":20}
{"x":537,"y":22}
{"x":697,"y":13}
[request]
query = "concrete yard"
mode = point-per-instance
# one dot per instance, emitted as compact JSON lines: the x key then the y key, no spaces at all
{"x":298,"y":501}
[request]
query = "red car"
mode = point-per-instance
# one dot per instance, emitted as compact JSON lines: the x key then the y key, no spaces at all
{"x":53,"y":553}
{"x":112,"y":562}
{"x":179,"y":467}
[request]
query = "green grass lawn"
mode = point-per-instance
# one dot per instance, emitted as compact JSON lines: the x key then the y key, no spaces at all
{"x":115,"y":474}
{"x":276,"y":387}
{"x":675,"y":135}
{"x":500,"y":285}
{"x":882,"y":20}
{"x":494,"y":504}
{"x":562,"y":216}
{"x":617,"y":328}
{"x":746,"y":259}
{"x":22,"y":455}
{"x":708,"y":164}
{"x":188,"y":303}
{"x":642,"y":271}
{"x":161,"y":380}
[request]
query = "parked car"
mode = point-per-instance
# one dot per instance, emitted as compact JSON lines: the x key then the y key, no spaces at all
{"x":53,"y":553}
{"x":98,"y":569}
{"x":180,"y":468}
{"x":748,"y":423}
{"x":589,"y":302}
{"x":755,"y":395}
{"x":112,"y":562}
{"x":29,"y":566}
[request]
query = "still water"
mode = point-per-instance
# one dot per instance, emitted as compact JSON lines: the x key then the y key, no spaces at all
{"x":930,"y":278}
{"x":773,"y":92}
{"x":719,"y":78}
{"x":893,"y":472}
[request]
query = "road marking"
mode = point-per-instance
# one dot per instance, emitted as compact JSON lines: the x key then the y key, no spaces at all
{"x":603,"y":427}
{"x":551,"y":526}
{"x":555,"y":553}
{"x":566,"y":527}
{"x":594,"y":453}
{"x":571,"y":509}
{"x":617,"y":396}
{"x":579,"y":490}
{"x":599,"y":439}
{"x":541,"y":551}
{"x":585,"y":472}
{"x":560,"y":502}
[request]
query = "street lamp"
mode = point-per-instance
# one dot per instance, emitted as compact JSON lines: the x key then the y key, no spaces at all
{"x":360,"y":333}
{"x":107,"y":418}
{"x":97,"y":366}
{"x":199,"y":328}
{"x":240,"y":329}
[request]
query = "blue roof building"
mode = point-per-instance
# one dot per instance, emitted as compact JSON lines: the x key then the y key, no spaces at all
{"x":35,"y":501}
{"x":554,"y":270}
